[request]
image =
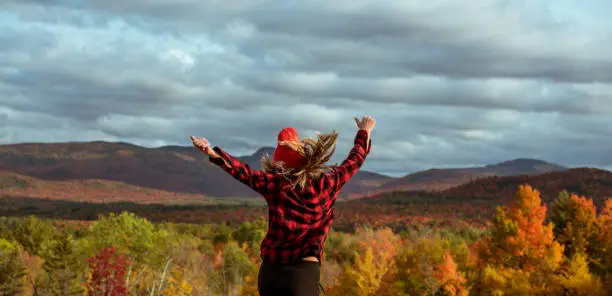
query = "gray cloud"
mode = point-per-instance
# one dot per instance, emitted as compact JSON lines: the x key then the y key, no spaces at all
{"x":449,"y":38}
{"x":450,"y":84}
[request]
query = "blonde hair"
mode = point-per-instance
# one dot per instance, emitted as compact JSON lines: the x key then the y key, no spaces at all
{"x":316,"y":152}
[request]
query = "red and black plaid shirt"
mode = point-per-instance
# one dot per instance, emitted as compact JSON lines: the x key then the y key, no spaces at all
{"x":298,"y":219}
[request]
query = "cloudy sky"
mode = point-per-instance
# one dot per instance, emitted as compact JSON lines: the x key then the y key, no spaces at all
{"x":450,"y":83}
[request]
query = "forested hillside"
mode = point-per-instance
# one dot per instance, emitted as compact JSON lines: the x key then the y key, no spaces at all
{"x":528,"y":249}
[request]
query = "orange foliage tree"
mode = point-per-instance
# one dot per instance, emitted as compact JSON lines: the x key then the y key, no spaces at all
{"x":453,"y":283}
{"x":519,"y":237}
{"x":520,"y":242}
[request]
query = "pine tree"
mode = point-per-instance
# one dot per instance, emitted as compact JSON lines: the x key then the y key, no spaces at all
{"x":62,"y":268}
{"x":559,"y":212}
{"x":34,"y":234}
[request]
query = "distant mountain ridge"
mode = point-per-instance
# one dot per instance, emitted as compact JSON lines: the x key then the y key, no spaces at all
{"x":180,"y":169}
{"x":521,"y":166}
{"x":592,"y":182}
{"x":183,"y":169}
{"x":442,"y":179}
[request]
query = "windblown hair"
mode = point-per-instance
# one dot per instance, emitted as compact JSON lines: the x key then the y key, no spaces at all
{"x":316,"y":152}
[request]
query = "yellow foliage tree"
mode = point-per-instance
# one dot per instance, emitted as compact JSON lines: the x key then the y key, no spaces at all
{"x":365,"y":276}
{"x":416,"y":266}
{"x":500,"y":281}
{"x":602,"y":246}
{"x":374,"y":260}
{"x":577,"y":280}
{"x":177,"y":286}
{"x":580,"y":229}
{"x":249,"y":287}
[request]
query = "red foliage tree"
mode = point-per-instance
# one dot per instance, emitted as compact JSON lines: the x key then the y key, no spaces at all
{"x":107,"y":274}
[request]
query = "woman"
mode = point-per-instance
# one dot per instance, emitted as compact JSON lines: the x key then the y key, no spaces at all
{"x":300,"y":191}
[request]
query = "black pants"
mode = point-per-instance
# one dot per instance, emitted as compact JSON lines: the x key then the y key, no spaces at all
{"x":297,"y":279}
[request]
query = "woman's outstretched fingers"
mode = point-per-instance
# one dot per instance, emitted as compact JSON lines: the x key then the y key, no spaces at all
{"x":200,"y":143}
{"x":194,"y":140}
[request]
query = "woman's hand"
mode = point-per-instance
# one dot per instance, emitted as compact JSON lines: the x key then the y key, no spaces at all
{"x":367,"y":123}
{"x":204,"y":146}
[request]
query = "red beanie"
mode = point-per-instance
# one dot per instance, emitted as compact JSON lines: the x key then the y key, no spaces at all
{"x":284,"y":153}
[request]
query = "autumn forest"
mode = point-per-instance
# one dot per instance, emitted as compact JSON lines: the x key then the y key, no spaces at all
{"x":524,"y":247}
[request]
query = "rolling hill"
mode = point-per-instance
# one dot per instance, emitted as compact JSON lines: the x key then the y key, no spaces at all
{"x":591,"y":182}
{"x":441,"y":179}
{"x":184,"y":170}
{"x":15,"y":185}
{"x":54,"y":174}
{"x":170,"y":169}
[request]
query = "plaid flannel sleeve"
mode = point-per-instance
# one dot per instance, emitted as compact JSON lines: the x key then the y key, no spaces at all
{"x":349,"y":167}
{"x":259,"y":181}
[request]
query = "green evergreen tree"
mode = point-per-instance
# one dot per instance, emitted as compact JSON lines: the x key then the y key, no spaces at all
{"x":33,"y":234}
{"x":7,"y":227}
{"x":62,"y":268}
{"x":559,"y":212}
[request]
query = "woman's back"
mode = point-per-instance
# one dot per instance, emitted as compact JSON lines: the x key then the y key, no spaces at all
{"x":300,"y":200}
{"x":299,"y":217}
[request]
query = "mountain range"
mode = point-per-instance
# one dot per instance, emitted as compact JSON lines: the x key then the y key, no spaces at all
{"x":185,"y":171}
{"x":442,"y":179}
